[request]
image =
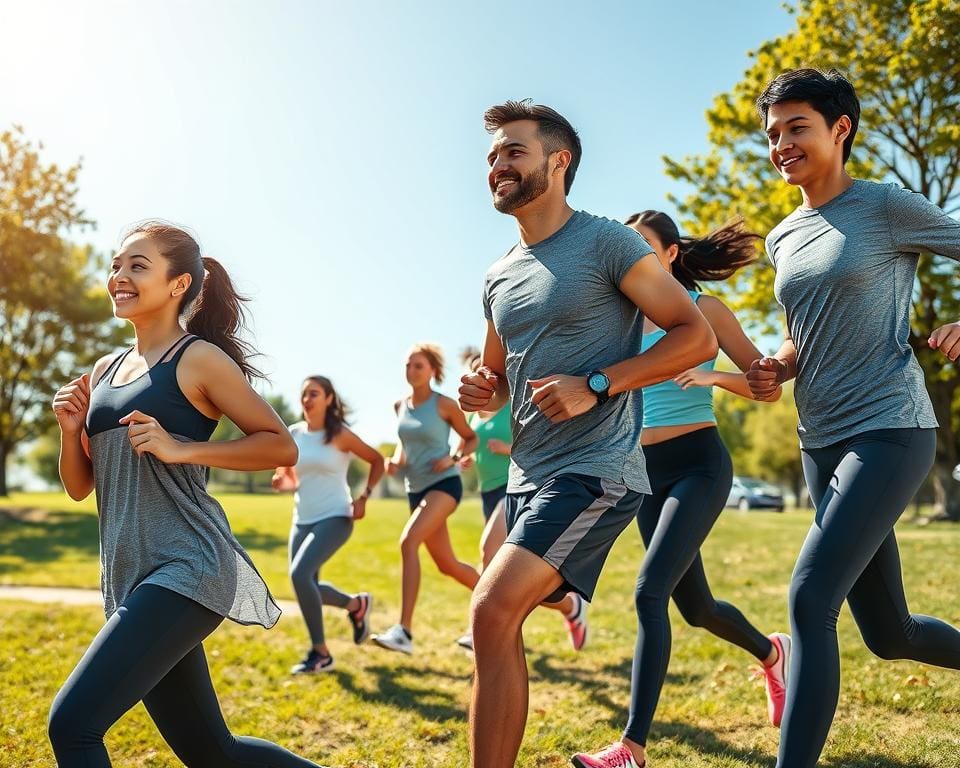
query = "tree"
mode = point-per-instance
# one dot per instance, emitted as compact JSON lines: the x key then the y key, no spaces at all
{"x":770,"y":431}
{"x":55,"y":316}
{"x":762,"y":437}
{"x":903,"y":58}
{"x":44,"y":458}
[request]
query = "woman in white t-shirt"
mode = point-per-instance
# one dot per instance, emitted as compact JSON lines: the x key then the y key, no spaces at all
{"x":323,"y":513}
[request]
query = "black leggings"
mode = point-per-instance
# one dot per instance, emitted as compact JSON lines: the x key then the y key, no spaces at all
{"x":150,"y":650}
{"x":860,"y":487}
{"x":691,"y":477}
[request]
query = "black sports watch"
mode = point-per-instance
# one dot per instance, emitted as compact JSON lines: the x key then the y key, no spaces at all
{"x":599,"y":384}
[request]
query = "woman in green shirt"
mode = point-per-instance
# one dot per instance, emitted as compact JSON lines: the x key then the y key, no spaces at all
{"x":491,"y":459}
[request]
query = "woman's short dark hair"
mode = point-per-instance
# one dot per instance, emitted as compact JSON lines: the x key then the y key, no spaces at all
{"x":829,"y":93}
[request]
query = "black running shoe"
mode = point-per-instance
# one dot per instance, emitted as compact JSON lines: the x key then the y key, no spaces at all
{"x":313,"y":663}
{"x":360,"y":618}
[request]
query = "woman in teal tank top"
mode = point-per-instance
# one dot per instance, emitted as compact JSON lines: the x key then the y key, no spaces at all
{"x":432,"y":479}
{"x":690,"y":474}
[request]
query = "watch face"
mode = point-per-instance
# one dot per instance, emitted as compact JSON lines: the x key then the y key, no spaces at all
{"x":598,"y":382}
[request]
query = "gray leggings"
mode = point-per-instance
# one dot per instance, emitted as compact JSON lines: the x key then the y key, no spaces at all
{"x":860,"y":487}
{"x":311,"y":545}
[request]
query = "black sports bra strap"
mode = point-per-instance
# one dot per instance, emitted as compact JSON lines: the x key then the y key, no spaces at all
{"x":114,"y":364}
{"x":175,"y":357}
{"x":163,"y":357}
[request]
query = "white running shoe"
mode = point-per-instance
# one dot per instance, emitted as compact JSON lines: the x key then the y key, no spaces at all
{"x":395,"y":639}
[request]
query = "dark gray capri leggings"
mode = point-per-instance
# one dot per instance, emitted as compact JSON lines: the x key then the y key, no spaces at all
{"x":150,"y":650}
{"x":860,"y":487}
{"x":311,"y":545}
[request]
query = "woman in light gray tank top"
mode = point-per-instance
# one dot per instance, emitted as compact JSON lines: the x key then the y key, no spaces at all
{"x":137,"y":430}
{"x":324,"y":512}
{"x":432,"y":479}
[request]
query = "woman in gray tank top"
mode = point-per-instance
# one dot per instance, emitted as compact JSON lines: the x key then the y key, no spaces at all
{"x":323,"y":513}
{"x":432,"y":479}
{"x":171,"y":569}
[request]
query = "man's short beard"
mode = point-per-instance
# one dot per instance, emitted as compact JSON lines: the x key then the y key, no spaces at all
{"x":529,"y":188}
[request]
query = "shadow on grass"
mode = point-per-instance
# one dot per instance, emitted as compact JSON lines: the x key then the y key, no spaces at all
{"x":34,"y":535}
{"x":706,"y":742}
{"x":252,"y":539}
{"x":387,"y":684}
{"x":595,"y":683}
{"x":39,"y":536}
{"x":864,"y":760}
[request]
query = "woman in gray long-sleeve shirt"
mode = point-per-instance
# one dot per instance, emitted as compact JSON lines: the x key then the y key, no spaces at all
{"x":846,"y":261}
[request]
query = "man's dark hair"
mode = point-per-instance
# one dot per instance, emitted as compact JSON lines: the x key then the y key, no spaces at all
{"x":553,"y":129}
{"x":829,"y":93}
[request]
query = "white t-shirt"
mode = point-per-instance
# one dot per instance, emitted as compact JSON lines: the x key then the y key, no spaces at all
{"x":322,"y":470}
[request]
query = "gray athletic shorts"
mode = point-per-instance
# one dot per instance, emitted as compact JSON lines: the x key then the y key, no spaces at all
{"x":571,"y":521}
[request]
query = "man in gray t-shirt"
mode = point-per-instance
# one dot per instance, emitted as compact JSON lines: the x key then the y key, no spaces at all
{"x":564,"y":311}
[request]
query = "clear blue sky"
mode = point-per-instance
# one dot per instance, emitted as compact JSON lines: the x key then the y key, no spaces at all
{"x":332,"y":155}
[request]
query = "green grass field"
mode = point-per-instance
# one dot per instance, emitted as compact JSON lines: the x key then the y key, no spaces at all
{"x":385,"y":710}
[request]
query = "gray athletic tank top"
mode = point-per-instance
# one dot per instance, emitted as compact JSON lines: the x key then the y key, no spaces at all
{"x":158,"y":524}
{"x":426,"y":438}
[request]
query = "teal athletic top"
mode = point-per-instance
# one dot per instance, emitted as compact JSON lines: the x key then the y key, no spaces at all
{"x":492,"y":469}
{"x":425,"y":437}
{"x":666,"y":404}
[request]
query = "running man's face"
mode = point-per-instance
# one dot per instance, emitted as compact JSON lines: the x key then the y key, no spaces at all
{"x":802,"y":147}
{"x":518,"y":166}
{"x":419,"y":370}
{"x":138,"y":282}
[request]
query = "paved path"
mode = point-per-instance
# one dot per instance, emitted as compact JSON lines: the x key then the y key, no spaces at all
{"x":88,"y":597}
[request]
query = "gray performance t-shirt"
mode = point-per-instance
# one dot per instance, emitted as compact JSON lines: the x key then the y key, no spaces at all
{"x":557,"y":308}
{"x":845,"y":275}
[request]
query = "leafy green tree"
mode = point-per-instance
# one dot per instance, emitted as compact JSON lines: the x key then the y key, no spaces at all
{"x":904,"y":59}
{"x":55,"y":316}
{"x":44,"y":458}
{"x":770,"y":431}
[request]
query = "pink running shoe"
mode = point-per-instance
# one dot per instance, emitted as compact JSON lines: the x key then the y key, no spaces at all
{"x":615,"y":756}
{"x":777,"y":678}
{"x":577,"y":624}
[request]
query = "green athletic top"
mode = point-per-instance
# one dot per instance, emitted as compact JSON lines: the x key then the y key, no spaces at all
{"x":492,"y":469}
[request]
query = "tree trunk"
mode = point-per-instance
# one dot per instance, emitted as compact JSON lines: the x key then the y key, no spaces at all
{"x":946,"y":491}
{"x":946,"y":499}
{"x":3,"y":470}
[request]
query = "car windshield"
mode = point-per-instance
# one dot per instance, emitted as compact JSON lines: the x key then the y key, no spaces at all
{"x":753,"y":485}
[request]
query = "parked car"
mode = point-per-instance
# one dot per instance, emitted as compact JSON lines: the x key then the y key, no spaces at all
{"x":748,"y":493}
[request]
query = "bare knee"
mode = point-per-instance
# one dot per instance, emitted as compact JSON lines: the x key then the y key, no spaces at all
{"x":446,"y":566}
{"x":409,"y":545}
{"x":493,"y":619}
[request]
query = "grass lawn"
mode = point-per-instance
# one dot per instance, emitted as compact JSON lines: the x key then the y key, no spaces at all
{"x":379,"y":709}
